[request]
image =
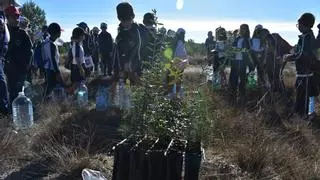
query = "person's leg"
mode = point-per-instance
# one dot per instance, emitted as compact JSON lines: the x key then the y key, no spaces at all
{"x":104,"y":64}
{"x":109,"y":65}
{"x":4,"y":94}
{"x":234,"y":80}
{"x":302,"y":98}
{"x":243,"y":81}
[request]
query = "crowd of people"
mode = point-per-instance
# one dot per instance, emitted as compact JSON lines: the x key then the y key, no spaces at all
{"x":124,"y":56}
{"x":22,"y":55}
{"x":252,"y":53}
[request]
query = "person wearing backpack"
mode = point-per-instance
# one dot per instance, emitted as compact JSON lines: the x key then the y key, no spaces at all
{"x":19,"y":53}
{"x":105,"y":49}
{"x":127,"y":57}
{"x":51,"y":58}
{"x":4,"y":95}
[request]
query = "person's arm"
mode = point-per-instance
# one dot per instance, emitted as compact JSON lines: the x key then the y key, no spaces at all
{"x":110,"y":43}
{"x":305,"y":50}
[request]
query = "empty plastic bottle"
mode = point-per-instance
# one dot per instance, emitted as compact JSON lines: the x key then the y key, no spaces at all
{"x":59,"y":94}
{"x":252,"y":80}
{"x":82,"y":95}
{"x":311,"y":105}
{"x":88,"y":174}
{"x":102,"y":99}
{"x":22,"y":111}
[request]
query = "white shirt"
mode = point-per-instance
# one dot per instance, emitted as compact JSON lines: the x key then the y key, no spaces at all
{"x":180,"y":50}
{"x":239,"y":55}
{"x":77,"y":52}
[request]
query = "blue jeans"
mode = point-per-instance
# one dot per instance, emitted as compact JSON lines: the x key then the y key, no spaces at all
{"x":4,"y":95}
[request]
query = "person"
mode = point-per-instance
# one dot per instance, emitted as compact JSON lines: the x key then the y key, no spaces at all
{"x":148,"y":51}
{"x":19,"y":53}
{"x":128,"y":43}
{"x":95,"y":48}
{"x":219,"y":59}
{"x":179,"y":46}
{"x":51,"y":55}
{"x":4,"y":95}
{"x":105,"y":49}
{"x":240,"y":63}
{"x":78,"y":60}
{"x":210,"y":43}
{"x":87,"y":47}
{"x":303,"y":57}
{"x":257,"y":52}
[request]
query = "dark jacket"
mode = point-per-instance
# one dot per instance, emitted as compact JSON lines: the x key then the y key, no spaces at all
{"x":3,"y":47}
{"x":105,"y":43}
{"x":128,"y":48}
{"x":210,"y":44}
{"x":19,"y":51}
{"x":87,"y":46}
{"x":304,"y":53}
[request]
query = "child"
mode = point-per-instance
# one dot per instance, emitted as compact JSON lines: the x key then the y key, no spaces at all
{"x":303,"y":59}
{"x":127,"y":57}
{"x":220,"y":60}
{"x":51,"y":56}
{"x":78,"y":62}
{"x":240,"y":63}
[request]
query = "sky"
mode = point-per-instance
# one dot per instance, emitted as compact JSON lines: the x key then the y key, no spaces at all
{"x":197,"y":17}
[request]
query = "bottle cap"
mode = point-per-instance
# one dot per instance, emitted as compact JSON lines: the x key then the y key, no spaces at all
{"x":21,"y":93}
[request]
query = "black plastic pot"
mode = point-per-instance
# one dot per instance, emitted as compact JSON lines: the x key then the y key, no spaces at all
{"x":174,"y":157}
{"x":139,"y":160}
{"x":157,"y":164}
{"x":121,"y":165}
{"x":192,"y":161}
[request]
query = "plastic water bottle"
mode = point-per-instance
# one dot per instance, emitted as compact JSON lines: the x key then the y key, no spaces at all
{"x":88,"y":174}
{"x":216,"y":80}
{"x":22,"y":111}
{"x":102,"y":99}
{"x":58,"y":94}
{"x":82,"y":95}
{"x":311,"y":105}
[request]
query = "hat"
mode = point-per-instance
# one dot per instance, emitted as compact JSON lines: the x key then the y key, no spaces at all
{"x":259,"y":26}
{"x":12,"y":11}
{"x":54,"y":28}
{"x":149,"y":18}
{"x":181,"y":30}
{"x":95,"y":29}
{"x":307,"y":19}
{"x":125,"y":11}
{"x":83,"y":25}
{"x":103,"y":25}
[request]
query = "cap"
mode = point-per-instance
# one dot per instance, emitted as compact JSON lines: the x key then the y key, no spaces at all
{"x":54,"y":28}
{"x":149,"y":18}
{"x":125,"y":11}
{"x":181,"y":30}
{"x":307,"y":19}
{"x":12,"y":11}
{"x":103,"y":25}
{"x":83,"y":25}
{"x":259,"y":26}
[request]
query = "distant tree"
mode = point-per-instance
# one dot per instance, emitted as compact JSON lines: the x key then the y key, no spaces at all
{"x":35,"y":14}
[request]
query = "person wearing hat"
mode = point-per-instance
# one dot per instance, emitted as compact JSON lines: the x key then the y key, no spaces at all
{"x":4,"y":95}
{"x":87,"y":47}
{"x":105,"y":49}
{"x":127,"y":59}
{"x":95,"y":49}
{"x":303,"y":57}
{"x":19,"y":53}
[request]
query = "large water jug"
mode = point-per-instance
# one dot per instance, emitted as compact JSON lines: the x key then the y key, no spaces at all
{"x":22,"y":111}
{"x":82,"y":95}
{"x":59,"y":94}
{"x":88,"y":174}
{"x":311,"y":105}
{"x":102,"y":99}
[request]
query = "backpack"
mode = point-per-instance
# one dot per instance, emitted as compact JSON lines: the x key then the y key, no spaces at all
{"x":68,"y":61}
{"x":38,"y":57}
